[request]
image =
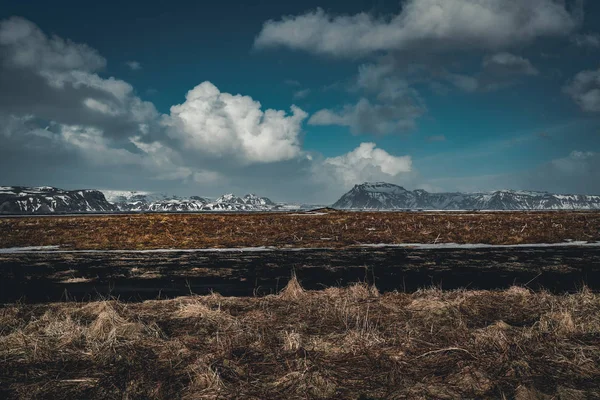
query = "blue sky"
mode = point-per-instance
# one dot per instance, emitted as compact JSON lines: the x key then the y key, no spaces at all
{"x":401,"y":91}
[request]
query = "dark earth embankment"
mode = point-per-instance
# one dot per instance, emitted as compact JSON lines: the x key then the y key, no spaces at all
{"x":134,"y":276}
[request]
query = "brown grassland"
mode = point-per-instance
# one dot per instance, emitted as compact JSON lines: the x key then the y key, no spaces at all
{"x":338,"y":343}
{"x":333,"y":229}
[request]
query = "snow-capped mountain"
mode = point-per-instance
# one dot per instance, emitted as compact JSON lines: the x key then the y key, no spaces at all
{"x":47,"y":199}
{"x":148,"y":201}
{"x":255,"y":200}
{"x":386,"y":196}
{"x":229,"y":198}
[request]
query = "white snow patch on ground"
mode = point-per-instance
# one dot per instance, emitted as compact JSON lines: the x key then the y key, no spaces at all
{"x":55,"y":249}
{"x":481,"y":245}
{"x":308,"y":213}
{"x":28,"y":249}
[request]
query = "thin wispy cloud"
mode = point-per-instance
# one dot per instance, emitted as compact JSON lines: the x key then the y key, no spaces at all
{"x":134,"y":65}
{"x":301,"y":94}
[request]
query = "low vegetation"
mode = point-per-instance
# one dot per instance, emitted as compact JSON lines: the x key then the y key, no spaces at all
{"x":338,"y":343}
{"x":329,"y":229}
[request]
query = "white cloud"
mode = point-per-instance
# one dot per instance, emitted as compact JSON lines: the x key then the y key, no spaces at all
{"x":25,"y":47}
{"x":55,"y":79}
{"x":78,"y":79}
{"x":302,"y":93}
{"x":463,"y":82}
{"x":576,"y":173}
{"x":584,"y":89}
{"x":388,"y":105}
{"x":95,"y":146}
{"x":436,"y":138}
{"x":156,"y":159}
{"x":374,"y":76}
{"x":225,"y":125}
{"x":392,"y":116}
{"x":574,"y":162}
{"x":436,"y":24}
{"x":133,"y":65}
{"x":511,"y":63}
{"x":29,"y":47}
{"x":365,"y":163}
{"x":591,"y":40}
{"x":497,"y":71}
{"x":14,"y":125}
{"x":100,"y":106}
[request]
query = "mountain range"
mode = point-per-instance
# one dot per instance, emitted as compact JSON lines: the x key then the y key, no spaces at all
{"x":47,"y":200}
{"x":387,"y":196}
{"x":146,"y":201}
{"x":366,"y":196}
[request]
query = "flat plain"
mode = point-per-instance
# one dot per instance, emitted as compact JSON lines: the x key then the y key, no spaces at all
{"x":324,"y":305}
{"x":319,"y":229}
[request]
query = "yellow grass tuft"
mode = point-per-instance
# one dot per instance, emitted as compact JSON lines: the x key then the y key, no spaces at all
{"x":494,"y":336}
{"x":291,"y":340}
{"x":205,"y":383}
{"x":293,"y":290}
{"x":558,"y":322}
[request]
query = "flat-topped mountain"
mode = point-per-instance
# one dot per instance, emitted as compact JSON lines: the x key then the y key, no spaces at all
{"x":47,"y":199}
{"x":387,"y":196}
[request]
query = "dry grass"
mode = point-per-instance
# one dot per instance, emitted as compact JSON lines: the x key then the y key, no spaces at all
{"x":339,"y":343}
{"x":334,"y":229}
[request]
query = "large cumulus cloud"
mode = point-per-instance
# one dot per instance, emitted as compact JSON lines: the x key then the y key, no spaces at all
{"x":366,"y":163}
{"x":220,"y":124}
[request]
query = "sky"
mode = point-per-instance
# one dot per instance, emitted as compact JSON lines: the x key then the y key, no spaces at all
{"x":300,"y":101}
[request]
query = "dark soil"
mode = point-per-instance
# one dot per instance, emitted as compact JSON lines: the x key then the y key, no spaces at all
{"x":50,"y":276}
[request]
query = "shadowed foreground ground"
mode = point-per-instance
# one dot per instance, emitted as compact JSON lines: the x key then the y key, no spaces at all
{"x":350,"y":343}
